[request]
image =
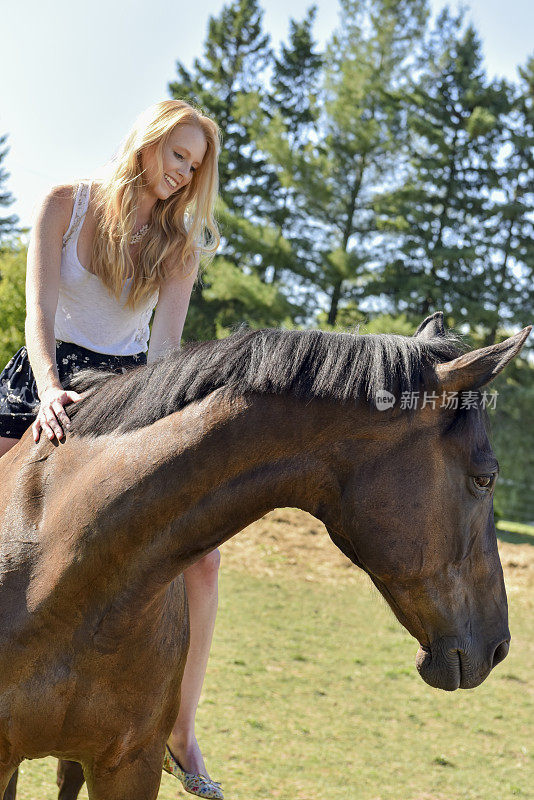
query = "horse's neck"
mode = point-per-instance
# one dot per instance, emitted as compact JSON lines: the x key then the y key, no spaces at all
{"x":236,"y":463}
{"x":151,"y":502}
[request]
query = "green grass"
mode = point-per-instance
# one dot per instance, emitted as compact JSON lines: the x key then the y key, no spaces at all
{"x":312,"y":693}
{"x":520,"y":528}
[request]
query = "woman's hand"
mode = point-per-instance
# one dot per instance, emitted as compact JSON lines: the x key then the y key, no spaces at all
{"x":52,"y":416}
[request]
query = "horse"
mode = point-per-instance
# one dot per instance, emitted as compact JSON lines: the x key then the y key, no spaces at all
{"x":165,"y":462}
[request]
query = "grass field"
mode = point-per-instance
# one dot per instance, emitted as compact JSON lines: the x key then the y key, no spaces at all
{"x":312,"y":691}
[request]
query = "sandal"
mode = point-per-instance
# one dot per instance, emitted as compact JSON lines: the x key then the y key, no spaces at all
{"x":191,"y":781}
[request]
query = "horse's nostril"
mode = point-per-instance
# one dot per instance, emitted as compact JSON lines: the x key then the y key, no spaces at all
{"x":501,"y":651}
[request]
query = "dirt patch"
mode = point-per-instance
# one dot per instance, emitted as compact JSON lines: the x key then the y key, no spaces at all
{"x":518,"y":565}
{"x":290,"y":539}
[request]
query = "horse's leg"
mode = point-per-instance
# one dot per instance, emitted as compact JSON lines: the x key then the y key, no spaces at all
{"x":70,"y":779}
{"x":10,"y":792}
{"x":139,"y":779}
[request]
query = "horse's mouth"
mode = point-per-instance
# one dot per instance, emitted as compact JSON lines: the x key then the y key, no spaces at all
{"x":441,"y":673}
{"x":449,"y":665}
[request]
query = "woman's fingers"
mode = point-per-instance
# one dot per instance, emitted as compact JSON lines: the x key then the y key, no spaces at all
{"x":60,"y":413}
{"x":47,"y":430}
{"x":41,"y":424}
{"x":73,"y":397}
{"x":36,"y":429}
{"x":52,"y":418}
{"x":53,"y":424}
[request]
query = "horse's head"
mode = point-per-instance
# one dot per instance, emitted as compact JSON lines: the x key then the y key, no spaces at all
{"x":417,"y":516}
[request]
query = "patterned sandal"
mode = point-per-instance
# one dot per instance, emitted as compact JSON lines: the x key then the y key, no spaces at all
{"x":191,"y":781}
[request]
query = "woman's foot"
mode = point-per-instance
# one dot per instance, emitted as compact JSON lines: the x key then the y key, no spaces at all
{"x":187,"y":753}
{"x":193,"y":782}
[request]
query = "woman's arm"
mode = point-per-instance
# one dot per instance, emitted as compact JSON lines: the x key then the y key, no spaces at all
{"x":171,"y":311}
{"x":42,"y":290}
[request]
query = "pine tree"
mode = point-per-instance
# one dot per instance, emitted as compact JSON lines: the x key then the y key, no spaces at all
{"x":289,"y":121}
{"x":441,"y":216}
{"x":510,"y":300}
{"x":295,"y":80}
{"x":236,"y":54}
{"x":351,"y":145}
{"x":509,"y":277}
{"x":8,"y":225}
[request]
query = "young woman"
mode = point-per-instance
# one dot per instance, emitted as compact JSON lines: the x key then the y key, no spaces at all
{"x":101,"y":258}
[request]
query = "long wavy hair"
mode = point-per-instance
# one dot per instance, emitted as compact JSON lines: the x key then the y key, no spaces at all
{"x":181,"y":227}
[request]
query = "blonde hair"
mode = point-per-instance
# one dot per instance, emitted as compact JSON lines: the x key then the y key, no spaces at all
{"x":181,"y":226}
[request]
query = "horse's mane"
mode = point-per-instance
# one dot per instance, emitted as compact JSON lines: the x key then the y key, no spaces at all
{"x":307,"y":364}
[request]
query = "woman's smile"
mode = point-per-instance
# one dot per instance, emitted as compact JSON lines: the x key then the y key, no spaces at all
{"x":172,"y":183}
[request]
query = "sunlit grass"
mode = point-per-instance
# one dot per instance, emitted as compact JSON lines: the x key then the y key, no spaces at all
{"x":515,"y":527}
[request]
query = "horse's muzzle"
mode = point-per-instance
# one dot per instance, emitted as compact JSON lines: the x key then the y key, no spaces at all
{"x":448,"y":664}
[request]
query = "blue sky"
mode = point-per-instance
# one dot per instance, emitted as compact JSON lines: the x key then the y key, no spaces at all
{"x":75,"y":75}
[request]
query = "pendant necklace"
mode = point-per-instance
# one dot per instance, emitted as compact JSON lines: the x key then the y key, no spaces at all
{"x":139,"y":234}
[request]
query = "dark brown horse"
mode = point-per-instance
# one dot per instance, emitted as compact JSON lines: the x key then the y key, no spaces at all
{"x":166,"y":462}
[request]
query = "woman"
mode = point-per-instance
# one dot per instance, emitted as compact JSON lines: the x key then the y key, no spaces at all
{"x":101,"y":258}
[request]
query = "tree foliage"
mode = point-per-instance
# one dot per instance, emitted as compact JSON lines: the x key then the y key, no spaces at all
{"x":12,"y":300}
{"x":8,"y":224}
{"x":451,"y":222}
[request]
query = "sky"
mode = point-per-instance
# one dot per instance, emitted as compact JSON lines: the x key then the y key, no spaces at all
{"x":74,"y":76}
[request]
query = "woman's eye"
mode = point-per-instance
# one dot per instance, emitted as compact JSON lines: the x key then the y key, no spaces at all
{"x":179,"y":155}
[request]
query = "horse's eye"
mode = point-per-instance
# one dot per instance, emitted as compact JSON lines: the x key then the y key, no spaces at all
{"x":484,"y":481}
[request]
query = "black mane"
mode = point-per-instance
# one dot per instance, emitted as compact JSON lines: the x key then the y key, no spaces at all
{"x":307,"y":364}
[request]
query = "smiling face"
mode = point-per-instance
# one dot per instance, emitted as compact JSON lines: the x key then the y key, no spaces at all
{"x":181,"y":155}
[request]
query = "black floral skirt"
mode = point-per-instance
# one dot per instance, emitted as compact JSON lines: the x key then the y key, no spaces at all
{"x":19,"y":401}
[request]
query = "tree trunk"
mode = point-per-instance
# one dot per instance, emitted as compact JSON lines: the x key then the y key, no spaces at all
{"x":334,"y":303}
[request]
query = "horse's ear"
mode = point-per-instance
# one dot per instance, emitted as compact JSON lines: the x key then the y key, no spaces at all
{"x":431,"y":327}
{"x":475,"y":369}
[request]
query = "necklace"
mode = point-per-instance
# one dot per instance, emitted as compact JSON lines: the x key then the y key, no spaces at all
{"x":139,"y":234}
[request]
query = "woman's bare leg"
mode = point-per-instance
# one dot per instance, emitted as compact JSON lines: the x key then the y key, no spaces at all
{"x":6,"y":444}
{"x":201,"y":581}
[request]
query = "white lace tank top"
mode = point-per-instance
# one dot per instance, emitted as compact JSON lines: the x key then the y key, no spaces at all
{"x":87,"y":314}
